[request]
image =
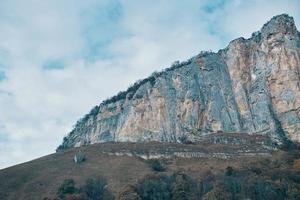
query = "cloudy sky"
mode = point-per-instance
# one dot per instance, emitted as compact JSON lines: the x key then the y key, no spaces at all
{"x":59,"y":58}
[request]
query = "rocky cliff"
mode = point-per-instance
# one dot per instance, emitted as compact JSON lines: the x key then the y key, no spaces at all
{"x":252,"y":86}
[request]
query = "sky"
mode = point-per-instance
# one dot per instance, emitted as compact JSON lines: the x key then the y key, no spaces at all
{"x":60,"y":58}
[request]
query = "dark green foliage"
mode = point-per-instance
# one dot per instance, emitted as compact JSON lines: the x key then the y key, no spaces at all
{"x":250,"y":185}
{"x":93,"y":113}
{"x":154,"y":187}
{"x":229,"y":171}
{"x":130,"y":91}
{"x":290,"y":146}
{"x":255,"y":170}
{"x":156,"y":165}
{"x":151,"y":79}
{"x":67,"y":187}
{"x":129,"y":192}
{"x":293,"y":192}
{"x":260,"y":189}
{"x":183,"y":187}
{"x":206,"y":184}
{"x":61,"y":146}
{"x":178,"y":186}
{"x":228,"y":187}
{"x":96,"y":189}
{"x":185,"y":140}
{"x":93,"y":189}
{"x":264,"y":179}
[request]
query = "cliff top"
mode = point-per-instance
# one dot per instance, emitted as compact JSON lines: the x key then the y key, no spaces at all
{"x":279,"y":24}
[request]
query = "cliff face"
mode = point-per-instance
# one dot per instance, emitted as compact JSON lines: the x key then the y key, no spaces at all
{"x":252,"y":86}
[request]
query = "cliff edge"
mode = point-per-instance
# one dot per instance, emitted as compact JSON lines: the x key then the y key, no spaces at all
{"x":250,"y":87}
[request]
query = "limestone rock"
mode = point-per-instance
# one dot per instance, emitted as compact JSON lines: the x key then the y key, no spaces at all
{"x":252,"y":86}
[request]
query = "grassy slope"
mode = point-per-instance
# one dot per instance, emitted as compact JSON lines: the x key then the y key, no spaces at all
{"x":41,"y":177}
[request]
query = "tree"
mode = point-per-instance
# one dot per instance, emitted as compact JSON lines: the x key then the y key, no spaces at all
{"x":67,"y":187}
{"x":79,"y":196}
{"x":154,"y":187}
{"x":183,"y":187}
{"x":96,"y":189}
{"x":229,"y":171}
{"x":128,"y":193}
{"x":261,"y":189}
{"x":156,"y":165}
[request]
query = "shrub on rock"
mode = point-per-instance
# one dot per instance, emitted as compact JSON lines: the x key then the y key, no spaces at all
{"x":67,"y":187}
{"x":156,"y":165}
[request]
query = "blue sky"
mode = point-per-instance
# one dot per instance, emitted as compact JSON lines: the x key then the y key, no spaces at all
{"x":59,"y":58}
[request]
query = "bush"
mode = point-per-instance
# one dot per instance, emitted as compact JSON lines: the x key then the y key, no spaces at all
{"x":96,"y":189}
{"x":67,"y":187}
{"x":293,"y":192}
{"x":266,"y":178}
{"x":48,"y":198}
{"x":154,"y":187}
{"x":258,"y":188}
{"x":76,"y":197}
{"x":229,"y":187}
{"x":185,"y":140}
{"x":229,"y":171}
{"x":178,"y":186}
{"x":156,"y":165}
{"x":183,"y":187}
{"x":129,"y":192}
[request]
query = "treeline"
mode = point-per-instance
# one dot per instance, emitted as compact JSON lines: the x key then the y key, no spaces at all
{"x":93,"y":189}
{"x":151,"y":79}
{"x":129,"y":93}
{"x":232,"y":185}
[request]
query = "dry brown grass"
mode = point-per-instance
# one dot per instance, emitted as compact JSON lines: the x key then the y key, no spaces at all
{"x":41,"y":177}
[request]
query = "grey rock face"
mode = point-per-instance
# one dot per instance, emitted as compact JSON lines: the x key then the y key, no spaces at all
{"x":252,"y":86}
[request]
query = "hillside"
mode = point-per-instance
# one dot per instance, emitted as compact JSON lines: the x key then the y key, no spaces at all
{"x":251,"y":86}
{"x":124,"y":164}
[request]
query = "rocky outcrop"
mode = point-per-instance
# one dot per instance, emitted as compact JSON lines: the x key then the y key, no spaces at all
{"x":167,"y":155}
{"x":217,"y":145}
{"x":252,"y":86}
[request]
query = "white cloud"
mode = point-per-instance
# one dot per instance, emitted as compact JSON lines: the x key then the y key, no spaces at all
{"x":241,"y":18}
{"x":95,"y":43}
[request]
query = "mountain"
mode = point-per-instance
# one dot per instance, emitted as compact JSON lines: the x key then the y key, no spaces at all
{"x":250,"y":87}
{"x":218,"y":126}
